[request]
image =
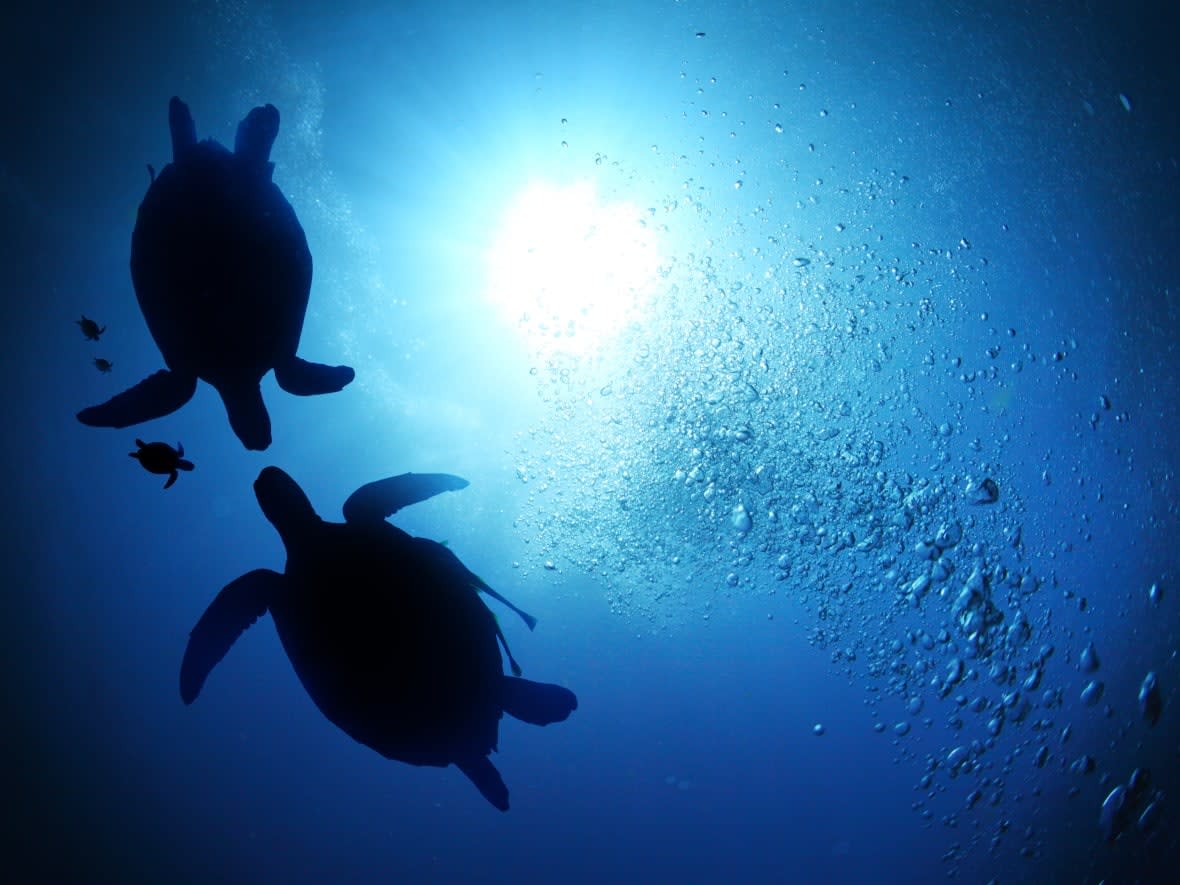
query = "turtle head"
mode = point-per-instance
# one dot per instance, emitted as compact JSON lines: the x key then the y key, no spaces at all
{"x":283,"y":503}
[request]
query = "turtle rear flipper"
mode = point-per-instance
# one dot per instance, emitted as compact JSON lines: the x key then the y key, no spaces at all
{"x":303,"y":378}
{"x":256,"y":136}
{"x":247,"y":414}
{"x":182,"y":126}
{"x":481,"y":772}
{"x":154,"y":397}
{"x":537,"y":703}
{"x":239,"y":604}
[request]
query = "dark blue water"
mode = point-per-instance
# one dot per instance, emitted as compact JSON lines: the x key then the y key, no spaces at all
{"x":724,"y":310}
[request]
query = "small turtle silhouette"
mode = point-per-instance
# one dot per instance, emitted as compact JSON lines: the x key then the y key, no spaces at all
{"x":103,"y":365}
{"x":90,"y":328}
{"x":159,"y":457}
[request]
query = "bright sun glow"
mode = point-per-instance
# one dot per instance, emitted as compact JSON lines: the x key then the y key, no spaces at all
{"x":570,"y":269}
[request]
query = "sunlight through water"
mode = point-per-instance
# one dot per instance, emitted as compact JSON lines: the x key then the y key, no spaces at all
{"x":570,"y":269}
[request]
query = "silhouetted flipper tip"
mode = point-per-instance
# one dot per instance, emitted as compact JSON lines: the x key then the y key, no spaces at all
{"x":538,"y":703}
{"x":239,"y":604}
{"x":157,"y":395}
{"x":304,"y":378}
{"x":182,"y":127}
{"x":481,"y":772}
{"x":375,"y":501}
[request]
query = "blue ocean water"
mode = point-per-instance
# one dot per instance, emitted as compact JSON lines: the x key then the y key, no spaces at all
{"x":727,"y":311}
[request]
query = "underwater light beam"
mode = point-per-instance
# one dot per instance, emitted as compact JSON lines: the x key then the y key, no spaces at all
{"x":570,"y":269}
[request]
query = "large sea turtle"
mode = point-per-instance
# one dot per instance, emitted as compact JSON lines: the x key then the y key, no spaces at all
{"x":222,"y":273}
{"x":386,"y":631}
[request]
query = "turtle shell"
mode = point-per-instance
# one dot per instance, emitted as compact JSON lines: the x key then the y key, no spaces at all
{"x":390,"y":646}
{"x":157,"y":457}
{"x":220,"y":265}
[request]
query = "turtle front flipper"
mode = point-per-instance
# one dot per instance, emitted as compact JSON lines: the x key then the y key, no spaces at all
{"x":374,"y":501}
{"x":184,"y":130}
{"x":481,"y":772}
{"x":256,"y":136}
{"x":247,"y":414}
{"x":154,"y":397}
{"x":303,"y":378}
{"x":239,"y":604}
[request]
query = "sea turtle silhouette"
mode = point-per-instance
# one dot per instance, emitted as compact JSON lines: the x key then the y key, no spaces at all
{"x":159,"y":457}
{"x":90,"y":329}
{"x":386,"y":631}
{"x":222,"y":274}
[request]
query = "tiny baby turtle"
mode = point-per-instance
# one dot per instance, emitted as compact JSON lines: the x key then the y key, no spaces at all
{"x":159,"y":457}
{"x":90,"y":328}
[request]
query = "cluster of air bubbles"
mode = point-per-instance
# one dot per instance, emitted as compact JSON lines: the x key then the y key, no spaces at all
{"x":1133,"y":803}
{"x":797,"y":422}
